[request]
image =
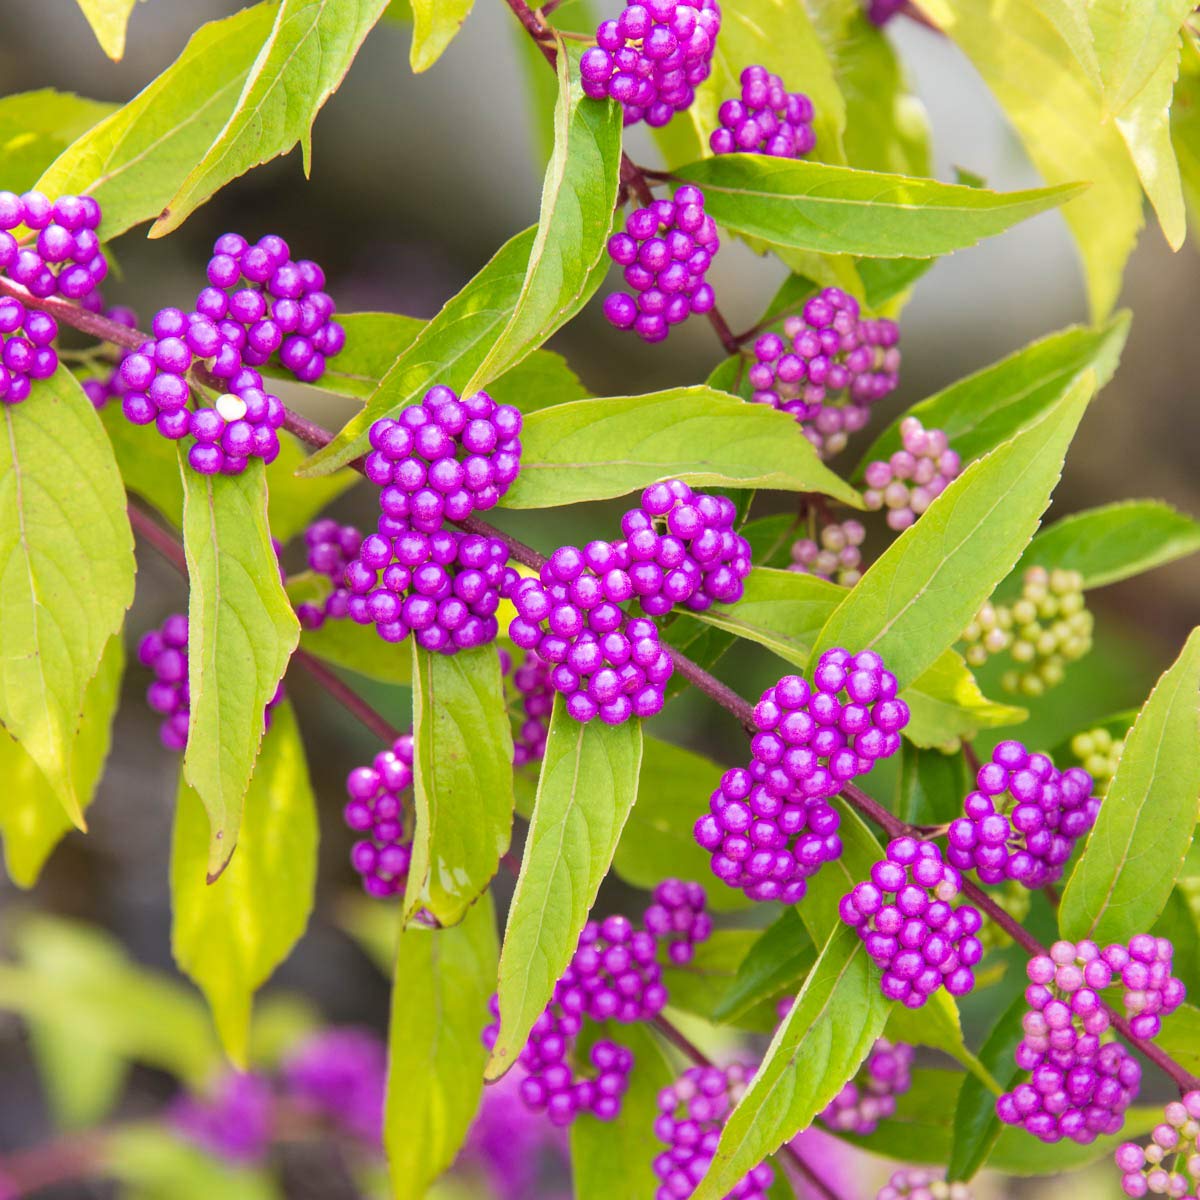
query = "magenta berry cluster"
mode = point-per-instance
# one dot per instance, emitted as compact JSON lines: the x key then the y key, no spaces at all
{"x":1170,"y":1164}
{"x":677,"y":916}
{"x":1023,"y":820}
{"x":691,"y":1114}
{"x":1151,"y":991}
{"x":26,"y":349}
{"x":340,"y":1075}
{"x":665,"y":252}
{"x":65,"y":259}
{"x":264,"y":303}
{"x":920,"y":1183}
{"x":652,"y":57}
{"x":613,"y":975}
{"x":909,"y":481}
{"x":910,"y":929}
{"x":235,"y":1121}
{"x":1079,"y":1085}
{"x":871,"y":1095}
{"x":376,"y":809}
{"x":767,"y":119}
{"x":531,"y":682}
{"x":330,"y":548}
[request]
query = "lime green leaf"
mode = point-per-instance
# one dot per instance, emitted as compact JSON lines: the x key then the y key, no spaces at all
{"x":567,"y":262}
{"x":35,"y":127}
{"x":64,"y":535}
{"x":984,"y":409}
{"x":358,"y":648}
{"x":32,"y":821}
{"x":587,"y":787}
{"x":1070,"y":18}
{"x":435,"y":1057}
{"x":837,"y":1016}
{"x":1115,"y":541}
{"x":135,"y":159}
{"x":1136,"y":850}
{"x":613,"y":1160}
{"x":939,"y":1026}
{"x":293,"y":503}
{"x":435,"y":25}
{"x":1185,"y":124}
{"x":230,"y":935}
{"x":1132,"y":37}
{"x":374,"y":926}
{"x":597,"y":449}
{"x":860,"y":851}
{"x":1180,"y":1037}
{"x":309,"y":50}
{"x":782,"y":956}
{"x":812,"y":206}
{"x":462,"y":780}
{"x":108,"y":19}
{"x":241,"y":633}
{"x":945,"y":703}
{"x":916,"y":599}
{"x":931,"y":786}
{"x":1059,"y":116}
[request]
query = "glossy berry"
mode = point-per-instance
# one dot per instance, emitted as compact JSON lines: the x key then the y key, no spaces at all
{"x":664,"y":252}
{"x":341,"y":1074}
{"x":378,"y":811}
{"x":836,"y":556}
{"x":767,"y":119}
{"x":234,"y":1121}
{"x":65,"y":258}
{"x":26,"y":349}
{"x":1170,"y":1164}
{"x":920,"y":1183}
{"x":911,"y":931}
{"x":908,"y":483}
{"x":613,"y":975}
{"x":1151,"y":991}
{"x":677,"y":917}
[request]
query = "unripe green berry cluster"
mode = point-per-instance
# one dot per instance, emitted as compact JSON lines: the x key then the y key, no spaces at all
{"x":1099,"y":754}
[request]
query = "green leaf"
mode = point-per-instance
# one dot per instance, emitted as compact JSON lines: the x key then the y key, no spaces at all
{"x":1058,"y":113}
{"x":307,"y":53}
{"x":108,"y":19}
{"x":374,"y":927}
{"x":939,"y":1026}
{"x":697,"y":986}
{"x":462,"y":780}
{"x":435,"y":1059}
{"x":1114,"y":542}
{"x":658,"y":839}
{"x":64,"y":536}
{"x":35,"y":127}
{"x":134,"y":160}
{"x":830,"y":1029}
{"x":931,"y":786}
{"x":229,"y":936}
{"x":435,"y":25}
{"x":1180,"y":923}
{"x":781,"y":957}
{"x":358,"y":648}
{"x":447,"y":351}
{"x":812,"y":206}
{"x":916,"y":599}
{"x":984,"y":409}
{"x":1132,"y":38}
{"x":613,"y":1160}
{"x":945,"y":704}
{"x":1180,"y":1037}
{"x":149,"y":463}
{"x":1136,"y":850}
{"x":241,"y":633}
{"x":1185,"y":124}
{"x":597,"y":449}
{"x":32,"y":822}
{"x":587,"y":787}
{"x":292,"y":503}
{"x":567,"y":261}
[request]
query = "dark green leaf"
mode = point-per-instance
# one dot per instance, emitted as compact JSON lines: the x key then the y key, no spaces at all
{"x":932,"y":786}
{"x":781,"y":957}
{"x":697,"y":986}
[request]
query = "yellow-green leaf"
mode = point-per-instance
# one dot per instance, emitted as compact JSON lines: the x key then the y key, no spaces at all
{"x":108,"y":19}
{"x":435,"y":25}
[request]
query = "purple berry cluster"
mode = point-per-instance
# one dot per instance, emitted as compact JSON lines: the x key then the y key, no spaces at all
{"x":652,"y":57}
{"x":1170,"y":1165}
{"x":531,"y":682}
{"x":691,"y":1114}
{"x":920,"y":1183}
{"x":26,"y":349}
{"x":613,"y":975}
{"x":666,"y":250}
{"x":109,"y":386}
{"x":904,"y":917}
{"x":836,"y":557}
{"x":1079,"y":1086}
{"x":909,"y":482}
{"x":769,"y":827}
{"x":871,"y":1095}
{"x":1151,"y":991}
{"x":340,"y":1075}
{"x":678,"y":918}
{"x":235,"y":1121}
{"x":376,"y":809}
{"x":1023,"y":820}
{"x":330,"y":550}
{"x":264,"y":303}
{"x":768,"y":119}
{"x":66,"y":259}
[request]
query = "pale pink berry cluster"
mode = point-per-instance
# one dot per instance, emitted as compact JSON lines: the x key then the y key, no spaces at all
{"x":909,"y":481}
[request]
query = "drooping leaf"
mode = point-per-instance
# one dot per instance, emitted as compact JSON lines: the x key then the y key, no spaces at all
{"x":241,"y":633}
{"x":435,"y":25}
{"x":567,"y":261}
{"x":32,"y":821}
{"x":134,"y":161}
{"x":835,"y":1020}
{"x":1131,"y":39}
{"x":984,"y":409}
{"x":462,"y":780}
{"x":435,"y":1058}
{"x":945,"y":703}
{"x":931,"y":787}
{"x":64,"y":538}
{"x":916,"y":599}
{"x":781,"y":957}
{"x":813,"y":206}
{"x":597,"y":449}
{"x":587,"y":787}
{"x":1136,"y":850}
{"x":309,"y":49}
{"x":1114,"y":542}
{"x":35,"y":127}
{"x":108,"y":19}
{"x":230,"y":935}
